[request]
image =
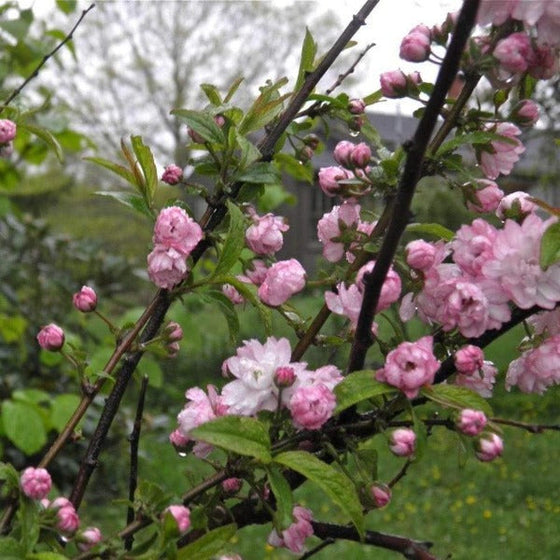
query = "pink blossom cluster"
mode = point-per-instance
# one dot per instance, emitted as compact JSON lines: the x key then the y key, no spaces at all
{"x":66,"y":517}
{"x":264,"y":379}
{"x":347,"y":301}
{"x":293,"y":538}
{"x":498,"y":157}
{"x":8,"y":131}
{"x":265,"y":235}
{"x":35,"y":483}
{"x":176,"y":234}
{"x":491,"y":268}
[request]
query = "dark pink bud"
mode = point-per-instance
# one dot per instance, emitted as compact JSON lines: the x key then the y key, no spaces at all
{"x":525,"y":113}
{"x":85,"y":300}
{"x":232,"y":485}
{"x":381,"y":494}
{"x":182,"y":516}
{"x":174,"y":331}
{"x":356,"y":106}
{"x":284,"y":376}
{"x":172,"y":174}
{"x":415,"y":47}
{"x":7,"y":131}
{"x":51,"y":338}
{"x":489,"y":447}
{"x":35,"y":483}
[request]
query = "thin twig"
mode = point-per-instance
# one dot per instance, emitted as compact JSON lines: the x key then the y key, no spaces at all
{"x":400,"y":474}
{"x":134,"y":443}
{"x":44,"y":60}
{"x":531,"y":428}
{"x":411,"y":174}
{"x":317,"y":549}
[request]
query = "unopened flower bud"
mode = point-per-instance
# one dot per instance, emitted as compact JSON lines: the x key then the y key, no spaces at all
{"x":312,"y":140}
{"x":525,"y":113}
{"x":232,"y":485}
{"x":415,"y":47}
{"x":355,"y":124}
{"x":329,"y":178}
{"x":471,"y":422}
{"x":173,"y":349}
{"x":7,"y":131}
{"x":361,"y":155}
{"x":173,"y":331}
{"x":516,"y":206}
{"x":403,"y":442}
{"x":469,"y":359}
{"x":172,"y":174}
{"x":88,"y":538}
{"x":51,"y":338}
{"x":396,"y":84}
{"x":35,"y":483}
{"x":284,"y":376}
{"x":182,"y":516}
{"x":489,"y":447}
{"x":356,"y":106}
{"x":304,"y":154}
{"x":381,"y":494}
{"x":220,"y":120}
{"x":85,"y":300}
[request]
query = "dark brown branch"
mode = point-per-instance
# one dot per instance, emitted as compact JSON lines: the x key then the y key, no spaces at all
{"x":414,"y":550}
{"x":134,"y":443}
{"x":44,"y":60}
{"x":411,"y":174}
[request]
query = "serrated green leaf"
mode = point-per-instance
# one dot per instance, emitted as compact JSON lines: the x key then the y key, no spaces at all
{"x":47,"y":137}
{"x":146,"y":160}
{"x":437,"y":230}
{"x":134,"y":201}
{"x":359,"y":386}
{"x":211,"y":93}
{"x":23,"y":426}
{"x":284,"y":498}
{"x":261,"y":172}
{"x":209,"y":545}
{"x":117,"y":168}
{"x":307,"y":58}
{"x":63,"y":406}
{"x":234,"y":243}
{"x":228,"y":310}
{"x":242,"y":435}
{"x":550,"y":246}
{"x":455,"y":396}
{"x":233,"y":88}
{"x":201,"y":123}
{"x":332,"y":482}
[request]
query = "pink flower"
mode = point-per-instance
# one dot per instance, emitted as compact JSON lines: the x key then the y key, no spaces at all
{"x":410,"y":366}
{"x":329,"y":178}
{"x":177,"y":439}
{"x":200,"y":408}
{"x":265,"y":237}
{"x":396,"y":83}
{"x":536,"y":369}
{"x":254,"y":368}
{"x":495,"y":11}
{"x":175,"y":229}
{"x":35,"y":483}
{"x":232,"y":294}
{"x":332,"y":226}
{"x":473,"y":246}
{"x":415,"y":47}
{"x":85,"y":300}
{"x":311,"y":406}
{"x":166,"y":266}
{"x":293,"y":538}
{"x":283,"y":280}
{"x":356,"y":106}
{"x":468,"y":359}
{"x":8,"y":131}
{"x":172,"y":174}
{"x":514,"y":53}
{"x":182,"y":516}
{"x":381,"y":495}
{"x":489,"y":448}
{"x":481,"y":381}
{"x":346,"y":302}
{"x":51,"y":338}
{"x":547,"y":322}
{"x":391,"y":289}
{"x":515,"y":266}
{"x":498,"y":156}
{"x":88,"y":538}
{"x":525,"y":113}
{"x":422,"y":255}
{"x":66,"y":515}
{"x":487,"y":198}
{"x":471,"y":422}
{"x":403,"y":442}
{"x":516,"y":206}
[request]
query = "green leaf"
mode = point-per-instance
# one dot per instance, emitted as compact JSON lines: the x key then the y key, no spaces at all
{"x":12,"y":327}
{"x":479,"y":137}
{"x":45,"y":556}
{"x":10,"y":549}
{"x":209,"y":545}
{"x":228,"y":310}
{"x":66,"y":6}
{"x":249,"y":152}
{"x":120,"y":170}
{"x":284,"y":498}
{"x":31,"y":396}
{"x":550,"y":246}
{"x":212,"y":93}
{"x":436,"y":230}
{"x":454,"y":396}
{"x":242,"y":435}
{"x":134,"y":201}
{"x":203,"y":124}
{"x":146,"y":160}
{"x":332,"y":482}
{"x":373,"y":97}
{"x":63,"y":406}
{"x":233,"y":88}
{"x":234,"y":243}
{"x":23,"y":426}
{"x":46,"y":137}
{"x":359,"y":386}
{"x":261,"y":172}
{"x":308,"y":52}
{"x":294,"y":167}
